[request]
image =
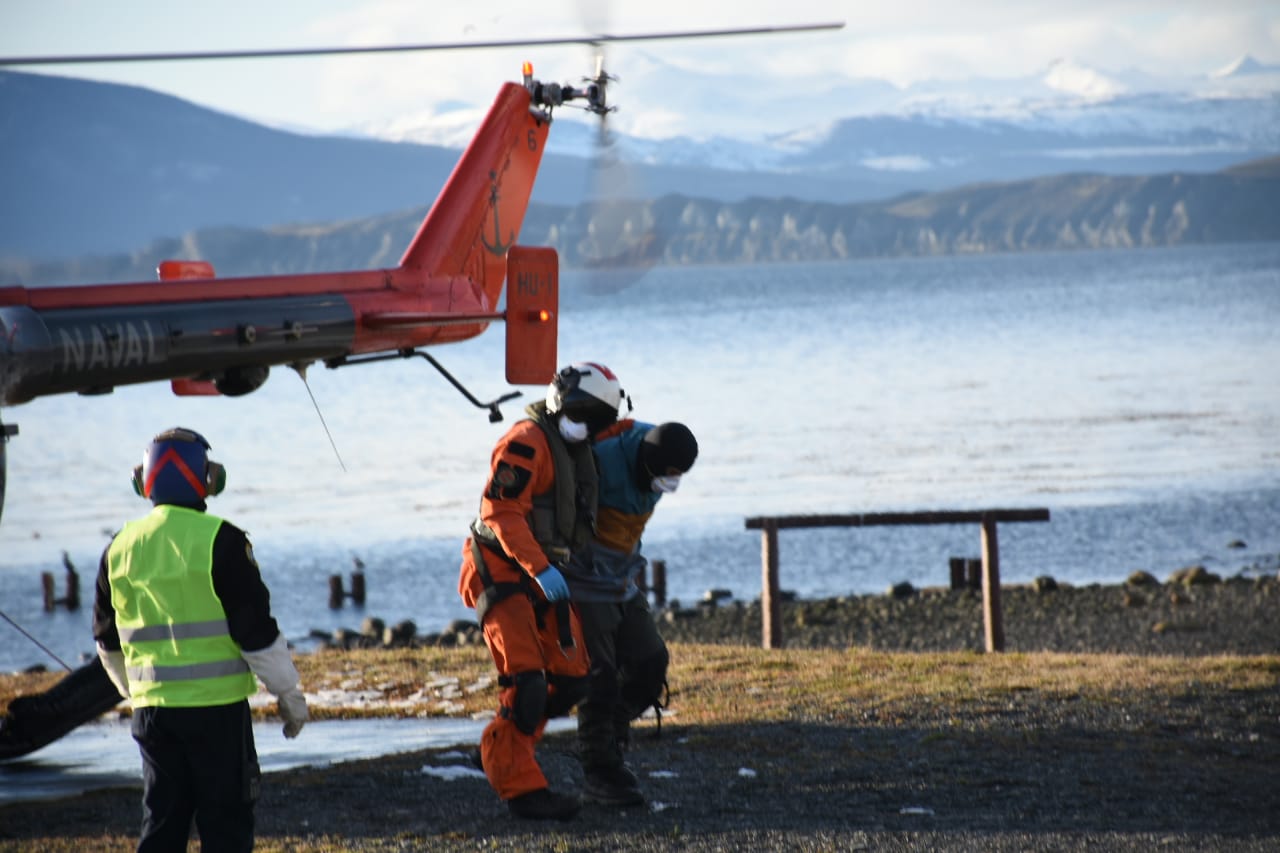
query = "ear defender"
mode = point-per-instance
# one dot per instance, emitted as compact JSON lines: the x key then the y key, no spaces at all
{"x":215,"y":478}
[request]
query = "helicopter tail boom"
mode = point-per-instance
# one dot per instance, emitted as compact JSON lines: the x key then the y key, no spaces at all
{"x":223,"y":335}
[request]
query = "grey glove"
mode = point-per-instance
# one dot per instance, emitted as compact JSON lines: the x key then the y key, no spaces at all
{"x":274,"y":667}
{"x":293,"y":710}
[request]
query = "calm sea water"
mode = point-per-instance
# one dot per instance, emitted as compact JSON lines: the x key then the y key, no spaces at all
{"x":1134,"y":393}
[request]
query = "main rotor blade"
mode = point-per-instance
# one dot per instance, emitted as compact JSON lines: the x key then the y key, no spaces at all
{"x":404,"y":48}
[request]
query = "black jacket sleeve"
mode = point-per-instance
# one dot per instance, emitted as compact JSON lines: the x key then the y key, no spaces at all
{"x":238,"y":585}
{"x":104,"y":615}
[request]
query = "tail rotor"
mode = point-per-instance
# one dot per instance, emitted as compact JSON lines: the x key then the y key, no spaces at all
{"x":618,"y":241}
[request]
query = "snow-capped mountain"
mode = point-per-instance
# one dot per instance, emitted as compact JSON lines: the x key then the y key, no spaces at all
{"x":1080,"y":116}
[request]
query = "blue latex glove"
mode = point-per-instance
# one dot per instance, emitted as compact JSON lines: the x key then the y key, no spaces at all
{"x":553,"y":584}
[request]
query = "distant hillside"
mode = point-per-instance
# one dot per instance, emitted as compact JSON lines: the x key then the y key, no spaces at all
{"x":93,"y":167}
{"x":98,"y":168}
{"x":1267,"y":167}
{"x":1058,"y":213}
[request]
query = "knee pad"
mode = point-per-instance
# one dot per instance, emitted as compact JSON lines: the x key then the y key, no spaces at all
{"x":568,"y":691}
{"x":643,"y":683}
{"x":529,"y":704}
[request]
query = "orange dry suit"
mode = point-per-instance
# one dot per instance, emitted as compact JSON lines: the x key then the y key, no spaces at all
{"x":539,"y":504}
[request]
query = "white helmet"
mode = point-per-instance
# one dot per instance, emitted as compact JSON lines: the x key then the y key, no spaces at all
{"x":588,"y":393}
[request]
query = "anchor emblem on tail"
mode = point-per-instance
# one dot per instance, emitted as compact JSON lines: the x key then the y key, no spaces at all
{"x":497,"y":247}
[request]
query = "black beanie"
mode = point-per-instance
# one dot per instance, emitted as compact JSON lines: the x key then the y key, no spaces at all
{"x":668,"y":446}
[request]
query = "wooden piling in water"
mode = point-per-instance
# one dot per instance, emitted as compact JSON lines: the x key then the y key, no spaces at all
{"x":50,"y":597}
{"x":658,"y":585}
{"x":49,"y":591}
{"x":337,"y":595}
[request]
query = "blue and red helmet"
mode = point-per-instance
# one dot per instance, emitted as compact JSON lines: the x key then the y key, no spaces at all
{"x":176,"y":469}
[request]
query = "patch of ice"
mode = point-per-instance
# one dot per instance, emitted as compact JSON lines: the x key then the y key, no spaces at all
{"x":451,"y":771}
{"x":920,"y":810}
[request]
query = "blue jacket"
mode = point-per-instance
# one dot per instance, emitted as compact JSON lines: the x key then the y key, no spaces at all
{"x":610,"y":566}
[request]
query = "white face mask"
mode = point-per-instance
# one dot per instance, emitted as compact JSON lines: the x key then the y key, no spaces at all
{"x":572,"y":431}
{"x":666,"y":485}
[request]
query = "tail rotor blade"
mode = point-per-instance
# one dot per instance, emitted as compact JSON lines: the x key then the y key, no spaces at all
{"x":619,"y":240}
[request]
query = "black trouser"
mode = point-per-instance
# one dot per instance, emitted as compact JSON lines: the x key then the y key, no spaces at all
{"x":628,"y":671}
{"x":197,"y":763}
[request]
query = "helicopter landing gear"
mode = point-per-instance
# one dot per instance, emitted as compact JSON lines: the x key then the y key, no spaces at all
{"x":6,"y":430}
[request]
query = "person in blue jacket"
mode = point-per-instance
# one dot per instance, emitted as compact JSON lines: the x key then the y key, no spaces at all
{"x":637,"y":463}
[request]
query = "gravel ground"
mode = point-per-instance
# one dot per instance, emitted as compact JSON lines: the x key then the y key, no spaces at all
{"x":1026,"y":770}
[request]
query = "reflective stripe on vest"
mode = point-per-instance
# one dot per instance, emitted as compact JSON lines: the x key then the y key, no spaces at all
{"x":173,"y":630}
{"x":187,"y":672}
{"x":189,"y":631}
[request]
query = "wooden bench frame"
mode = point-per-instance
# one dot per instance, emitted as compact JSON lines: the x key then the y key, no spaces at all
{"x":771,"y":600}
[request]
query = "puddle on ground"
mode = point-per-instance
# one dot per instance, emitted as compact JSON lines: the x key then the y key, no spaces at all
{"x":102,"y":754}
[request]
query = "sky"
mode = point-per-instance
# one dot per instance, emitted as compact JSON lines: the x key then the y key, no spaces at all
{"x":904,"y":42}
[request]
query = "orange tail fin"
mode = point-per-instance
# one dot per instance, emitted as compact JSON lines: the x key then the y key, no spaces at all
{"x":477,"y":217}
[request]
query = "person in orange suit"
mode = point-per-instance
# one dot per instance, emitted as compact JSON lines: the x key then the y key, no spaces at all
{"x":539,"y":505}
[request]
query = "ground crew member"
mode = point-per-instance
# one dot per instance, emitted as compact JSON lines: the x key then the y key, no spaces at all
{"x":538,"y":506}
{"x":183,"y":623}
{"x":638,"y":463}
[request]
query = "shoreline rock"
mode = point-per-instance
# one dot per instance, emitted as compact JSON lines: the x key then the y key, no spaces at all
{"x":1193,"y":612}
{"x":1189,"y":615}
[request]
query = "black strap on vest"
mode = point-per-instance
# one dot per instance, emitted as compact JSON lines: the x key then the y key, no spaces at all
{"x":566,"y":629}
{"x":492,"y":593}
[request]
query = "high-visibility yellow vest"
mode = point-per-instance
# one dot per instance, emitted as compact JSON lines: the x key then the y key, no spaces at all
{"x":177,"y":647}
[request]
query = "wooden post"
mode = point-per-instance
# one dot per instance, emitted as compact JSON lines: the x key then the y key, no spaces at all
{"x":357,"y":587}
{"x":957,"y":572}
{"x":50,"y":597}
{"x":973,"y":570}
{"x":770,"y":596}
{"x":73,"y":590}
{"x":992,"y":619}
{"x":659,"y":586}
{"x":335,"y":592}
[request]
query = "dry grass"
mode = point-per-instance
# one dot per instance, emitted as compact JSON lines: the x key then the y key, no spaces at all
{"x":720,"y":687}
{"x":731,"y":684}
